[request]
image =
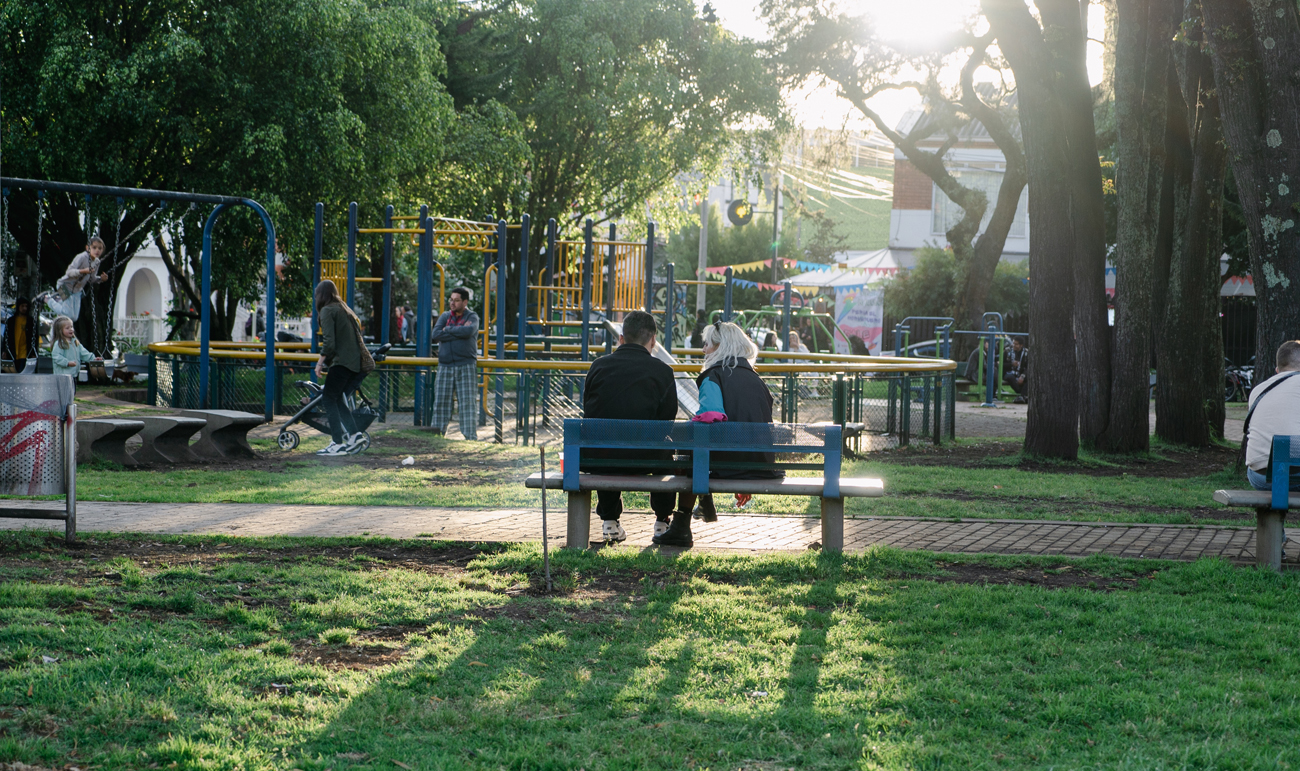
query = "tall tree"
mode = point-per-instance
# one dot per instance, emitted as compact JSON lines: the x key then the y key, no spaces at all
{"x":1255,"y":48}
{"x":812,"y":39}
{"x":286,"y":101}
{"x":1068,"y":331}
{"x":617,"y":97}
{"x":1189,"y":354}
{"x":1143,"y":69}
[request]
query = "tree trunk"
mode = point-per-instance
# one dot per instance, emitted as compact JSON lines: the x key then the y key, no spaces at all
{"x":1142,"y":68}
{"x":1066,"y":255}
{"x":1255,"y":48}
{"x":987,"y":250}
{"x":1190,"y":354}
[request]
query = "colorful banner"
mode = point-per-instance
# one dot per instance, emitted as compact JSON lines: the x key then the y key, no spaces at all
{"x":860,"y":313}
{"x":799,"y":265}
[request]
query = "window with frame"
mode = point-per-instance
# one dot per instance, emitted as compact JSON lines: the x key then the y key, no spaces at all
{"x":945,"y":214}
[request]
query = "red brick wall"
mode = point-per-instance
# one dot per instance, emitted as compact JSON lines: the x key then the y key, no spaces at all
{"x":912,"y":189}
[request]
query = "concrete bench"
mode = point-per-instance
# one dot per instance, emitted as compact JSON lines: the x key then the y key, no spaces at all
{"x":166,"y":440}
{"x":106,"y":438}
{"x":226,"y":433}
{"x":1270,"y":505}
{"x":701,"y":440}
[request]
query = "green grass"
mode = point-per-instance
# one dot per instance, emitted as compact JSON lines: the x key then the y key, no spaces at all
{"x":864,"y":224}
{"x":176,"y":658}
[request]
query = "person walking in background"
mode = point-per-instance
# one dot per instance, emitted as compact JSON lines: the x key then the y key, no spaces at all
{"x":697,"y":334}
{"x":344,"y":362}
{"x":456,"y":334}
{"x":68,"y":354}
{"x":408,"y":326}
{"x":630,"y":384}
{"x":22,"y":335}
{"x":730,"y":390}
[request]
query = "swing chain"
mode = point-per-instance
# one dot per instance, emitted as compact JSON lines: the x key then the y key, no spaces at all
{"x":40,"y":225}
{"x":112,"y":295}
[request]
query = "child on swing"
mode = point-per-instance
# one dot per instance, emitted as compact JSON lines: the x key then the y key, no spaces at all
{"x":65,"y":300}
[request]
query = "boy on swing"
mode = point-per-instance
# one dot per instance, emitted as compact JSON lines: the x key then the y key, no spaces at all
{"x":65,"y":300}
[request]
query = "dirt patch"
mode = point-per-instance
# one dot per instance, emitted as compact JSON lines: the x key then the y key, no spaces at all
{"x":368,"y":649}
{"x":157,"y":556}
{"x":1172,"y":464}
{"x":1054,"y":577}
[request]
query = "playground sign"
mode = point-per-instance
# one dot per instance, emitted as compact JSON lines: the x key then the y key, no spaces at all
{"x":859,"y":312}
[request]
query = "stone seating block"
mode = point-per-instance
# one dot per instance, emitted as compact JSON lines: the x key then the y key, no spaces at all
{"x":166,"y":439}
{"x":225,"y":436}
{"x":106,"y":438}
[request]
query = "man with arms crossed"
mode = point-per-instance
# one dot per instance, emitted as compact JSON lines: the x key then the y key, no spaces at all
{"x":630,"y":384}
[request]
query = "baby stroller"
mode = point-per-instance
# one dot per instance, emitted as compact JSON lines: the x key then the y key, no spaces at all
{"x":313,"y":411}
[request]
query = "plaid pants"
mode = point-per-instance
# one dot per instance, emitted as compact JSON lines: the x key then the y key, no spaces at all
{"x":460,"y":381}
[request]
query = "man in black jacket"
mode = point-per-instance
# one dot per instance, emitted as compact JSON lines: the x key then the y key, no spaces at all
{"x":630,"y":384}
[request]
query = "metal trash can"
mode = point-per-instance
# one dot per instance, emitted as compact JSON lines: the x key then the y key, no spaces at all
{"x":38,"y":448}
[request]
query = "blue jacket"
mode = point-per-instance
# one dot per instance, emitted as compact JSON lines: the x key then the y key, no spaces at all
{"x":456,"y":338}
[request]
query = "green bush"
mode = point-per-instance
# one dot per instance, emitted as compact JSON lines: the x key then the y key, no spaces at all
{"x":930,"y":289}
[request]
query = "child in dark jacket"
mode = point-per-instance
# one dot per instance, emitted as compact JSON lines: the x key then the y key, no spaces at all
{"x":730,"y":390}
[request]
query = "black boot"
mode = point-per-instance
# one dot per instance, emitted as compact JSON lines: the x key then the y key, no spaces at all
{"x":678,"y":533}
{"x":706,"y":509}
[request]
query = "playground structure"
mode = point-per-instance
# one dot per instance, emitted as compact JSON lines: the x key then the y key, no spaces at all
{"x":533,"y":361}
{"x":985,"y":382}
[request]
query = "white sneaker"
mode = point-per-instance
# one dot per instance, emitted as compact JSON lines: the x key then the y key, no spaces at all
{"x":661,"y":526}
{"x":333,"y":450}
{"x":611,"y":530}
{"x":356,"y":443}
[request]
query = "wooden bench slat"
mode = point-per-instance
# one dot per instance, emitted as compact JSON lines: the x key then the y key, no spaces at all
{"x":850,"y":487}
{"x":1252,"y":499}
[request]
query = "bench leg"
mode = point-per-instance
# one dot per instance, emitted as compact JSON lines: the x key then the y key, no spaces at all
{"x":579,"y":531}
{"x":1268,"y":538}
{"x":833,"y":525}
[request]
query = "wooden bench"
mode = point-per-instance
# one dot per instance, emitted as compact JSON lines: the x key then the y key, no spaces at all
{"x":225,"y":433}
{"x":702,"y":439}
{"x":166,"y":440}
{"x":1270,"y":505}
{"x":106,"y":438}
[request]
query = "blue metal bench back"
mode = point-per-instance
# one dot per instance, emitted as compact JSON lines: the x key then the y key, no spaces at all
{"x":1286,"y":453}
{"x":700,"y":439}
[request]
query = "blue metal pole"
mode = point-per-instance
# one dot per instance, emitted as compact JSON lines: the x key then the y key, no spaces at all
{"x":205,"y":308}
{"x":611,"y":284}
{"x":650,"y":268}
{"x":423,"y":309}
{"x":523,"y":286}
{"x":350,"y":290}
{"x":726,"y":296}
{"x":272,"y":375}
{"x":669,"y":310}
{"x":315,"y":279}
{"x":586,"y":292}
{"x":386,"y":288}
{"x":499,"y":407}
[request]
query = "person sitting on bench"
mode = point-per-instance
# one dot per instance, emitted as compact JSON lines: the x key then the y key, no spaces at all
{"x":630,"y":384}
{"x":1274,"y":409}
{"x":730,"y":390}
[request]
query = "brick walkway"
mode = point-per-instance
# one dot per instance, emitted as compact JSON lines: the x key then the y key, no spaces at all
{"x":732,"y":533}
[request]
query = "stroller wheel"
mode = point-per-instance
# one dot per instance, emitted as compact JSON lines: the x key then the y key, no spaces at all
{"x":288,"y":440}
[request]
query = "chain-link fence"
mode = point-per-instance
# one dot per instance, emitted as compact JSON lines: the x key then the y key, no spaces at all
{"x":530,"y":405}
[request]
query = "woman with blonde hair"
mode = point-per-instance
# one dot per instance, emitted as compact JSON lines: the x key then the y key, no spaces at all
{"x":730,"y":390}
{"x":66,"y":351}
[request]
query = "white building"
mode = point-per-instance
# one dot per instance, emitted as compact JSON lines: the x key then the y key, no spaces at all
{"x":144,"y":296}
{"x":922,"y":213}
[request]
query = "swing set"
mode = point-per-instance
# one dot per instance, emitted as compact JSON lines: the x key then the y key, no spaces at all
{"x":161,"y":197}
